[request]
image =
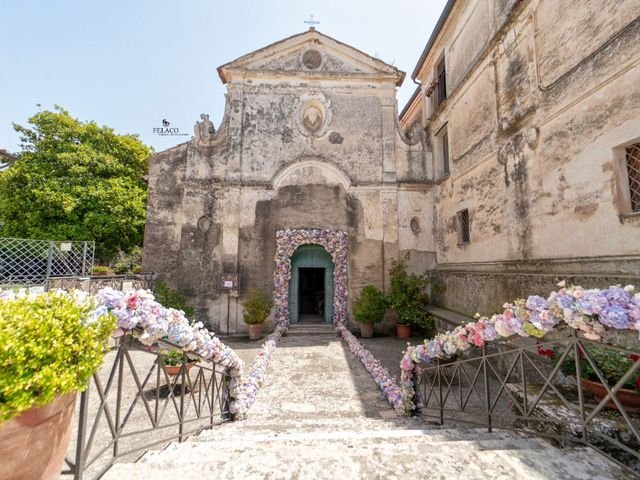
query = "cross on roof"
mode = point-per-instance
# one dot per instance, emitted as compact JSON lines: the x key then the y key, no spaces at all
{"x":311,"y":22}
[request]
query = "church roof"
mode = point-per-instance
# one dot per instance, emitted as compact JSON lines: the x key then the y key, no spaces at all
{"x":265,"y":58}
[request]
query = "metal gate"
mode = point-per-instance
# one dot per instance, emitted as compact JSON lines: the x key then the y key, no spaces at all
{"x":33,"y":263}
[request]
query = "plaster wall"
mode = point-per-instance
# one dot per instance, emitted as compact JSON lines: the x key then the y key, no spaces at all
{"x":538,"y":112}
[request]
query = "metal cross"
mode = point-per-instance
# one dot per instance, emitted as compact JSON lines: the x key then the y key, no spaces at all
{"x":311,"y":22}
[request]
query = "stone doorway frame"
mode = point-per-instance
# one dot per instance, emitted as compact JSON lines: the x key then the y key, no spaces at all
{"x":336,"y":243}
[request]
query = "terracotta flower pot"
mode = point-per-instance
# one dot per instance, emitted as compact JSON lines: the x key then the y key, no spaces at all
{"x":403,"y":331}
{"x":627,"y":397}
{"x":255,"y":331}
{"x":366,"y":330}
{"x":34,"y":444}
{"x":173,"y":370}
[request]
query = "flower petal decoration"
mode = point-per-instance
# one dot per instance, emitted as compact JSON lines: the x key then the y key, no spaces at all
{"x":591,"y":311}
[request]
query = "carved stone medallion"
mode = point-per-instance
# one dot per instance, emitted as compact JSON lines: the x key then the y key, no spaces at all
{"x":314,"y":115}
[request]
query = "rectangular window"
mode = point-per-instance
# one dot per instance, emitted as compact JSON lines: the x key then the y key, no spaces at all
{"x":441,"y":75}
{"x":445,"y":152}
{"x":441,"y":153}
{"x":632,"y":154}
{"x":464,"y":226}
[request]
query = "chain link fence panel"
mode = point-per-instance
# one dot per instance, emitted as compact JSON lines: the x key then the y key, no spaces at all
{"x":34,"y":263}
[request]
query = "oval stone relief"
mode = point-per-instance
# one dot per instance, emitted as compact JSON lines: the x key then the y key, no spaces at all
{"x":314,"y":115}
{"x":414,"y":224}
{"x":204,"y":223}
{"x":312,"y":59}
{"x":313,"y":118}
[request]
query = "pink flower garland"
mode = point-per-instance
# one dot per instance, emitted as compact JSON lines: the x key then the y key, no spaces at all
{"x":590,"y":311}
{"x":394,"y":394}
{"x":287,"y":241}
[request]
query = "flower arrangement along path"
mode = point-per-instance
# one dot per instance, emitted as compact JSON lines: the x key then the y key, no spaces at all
{"x":321,"y":416}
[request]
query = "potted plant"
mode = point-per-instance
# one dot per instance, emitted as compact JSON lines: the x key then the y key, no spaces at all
{"x":369,"y":308}
{"x":172,"y":361}
{"x":256,"y":309}
{"x":50,"y":345}
{"x":407,"y":298}
{"x":613,"y":365}
{"x":101,"y":270}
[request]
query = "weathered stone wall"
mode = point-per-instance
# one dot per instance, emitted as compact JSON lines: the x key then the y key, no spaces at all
{"x":217,"y":201}
{"x":541,"y":95}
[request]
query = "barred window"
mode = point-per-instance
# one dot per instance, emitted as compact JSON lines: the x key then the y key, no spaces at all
{"x":464,"y":226}
{"x":633,"y":175}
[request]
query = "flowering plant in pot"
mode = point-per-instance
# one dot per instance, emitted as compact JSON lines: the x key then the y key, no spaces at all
{"x":612,"y":364}
{"x":256,"y":309}
{"x":50,"y":345}
{"x":173,"y":359}
{"x":407,"y":297}
{"x":369,"y":308}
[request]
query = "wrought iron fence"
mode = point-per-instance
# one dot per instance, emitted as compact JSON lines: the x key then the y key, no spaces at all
{"x":29,"y":263}
{"x":544,"y":389}
{"x":135,"y":404}
{"x":94,"y":284}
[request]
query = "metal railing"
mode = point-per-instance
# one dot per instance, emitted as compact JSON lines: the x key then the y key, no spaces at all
{"x":510,"y":385}
{"x":134,"y":404}
{"x":94,"y":284}
{"x":29,"y":263}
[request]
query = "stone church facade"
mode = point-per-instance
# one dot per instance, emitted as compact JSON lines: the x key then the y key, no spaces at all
{"x":310,"y":140}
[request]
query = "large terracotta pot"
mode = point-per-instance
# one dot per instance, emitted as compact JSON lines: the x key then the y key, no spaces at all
{"x":255,"y":331}
{"x":366,"y":330}
{"x":173,"y":370}
{"x":403,"y":331}
{"x":627,"y":397}
{"x":33,"y":445}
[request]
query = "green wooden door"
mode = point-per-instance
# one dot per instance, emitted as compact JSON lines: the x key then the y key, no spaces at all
{"x":310,"y":256}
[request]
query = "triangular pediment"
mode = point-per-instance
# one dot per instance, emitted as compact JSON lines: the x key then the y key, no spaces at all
{"x":312,"y":53}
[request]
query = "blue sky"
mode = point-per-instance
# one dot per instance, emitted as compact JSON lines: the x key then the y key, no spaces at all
{"x":129,"y":64}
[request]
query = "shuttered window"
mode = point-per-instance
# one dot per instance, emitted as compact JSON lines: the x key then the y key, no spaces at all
{"x":441,"y":73}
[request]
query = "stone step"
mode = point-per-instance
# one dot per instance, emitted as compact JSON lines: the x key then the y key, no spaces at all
{"x":320,"y":445}
{"x":333,"y":427}
{"x":398,"y":435}
{"x":374,"y":455}
{"x":311,"y":329}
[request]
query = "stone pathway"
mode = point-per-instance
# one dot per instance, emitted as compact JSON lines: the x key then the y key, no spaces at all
{"x":321,"y":416}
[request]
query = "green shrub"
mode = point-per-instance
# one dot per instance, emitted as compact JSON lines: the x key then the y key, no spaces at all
{"x":408,"y":297}
{"x":128,"y":262}
{"x":100,"y":269}
{"x":170,"y":298}
{"x":370,"y":305}
{"x":256,"y":307}
{"x":49,"y":345}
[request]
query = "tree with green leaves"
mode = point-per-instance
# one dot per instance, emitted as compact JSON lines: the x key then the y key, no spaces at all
{"x":75,"y":180}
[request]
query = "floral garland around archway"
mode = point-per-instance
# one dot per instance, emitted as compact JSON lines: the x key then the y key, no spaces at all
{"x":287,"y":241}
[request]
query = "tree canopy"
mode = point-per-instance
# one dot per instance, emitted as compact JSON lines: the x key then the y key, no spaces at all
{"x":75,"y":180}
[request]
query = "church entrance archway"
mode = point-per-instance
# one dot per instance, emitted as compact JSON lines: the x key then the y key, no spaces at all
{"x":311,"y":285}
{"x":336,"y":243}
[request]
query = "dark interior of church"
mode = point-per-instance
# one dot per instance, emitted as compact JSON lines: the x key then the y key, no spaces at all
{"x":311,"y":291}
